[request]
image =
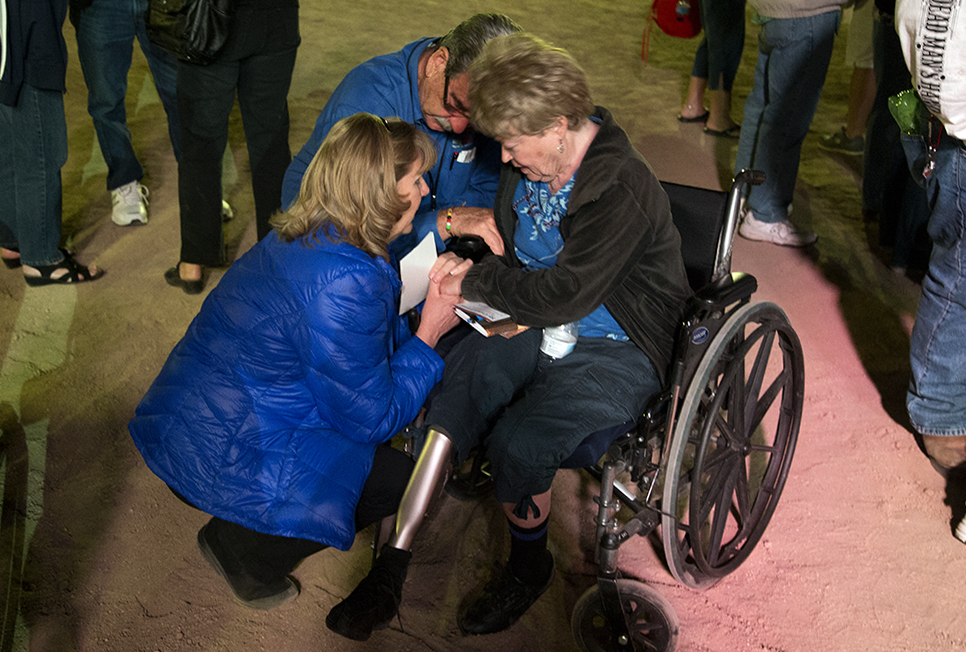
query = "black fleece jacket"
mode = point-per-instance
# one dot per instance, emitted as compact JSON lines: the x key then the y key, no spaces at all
{"x":621,"y":249}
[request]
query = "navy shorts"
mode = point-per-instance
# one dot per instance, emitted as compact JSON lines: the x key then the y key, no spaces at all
{"x":531,"y":411}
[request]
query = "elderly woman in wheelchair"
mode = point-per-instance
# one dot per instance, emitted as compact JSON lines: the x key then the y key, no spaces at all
{"x":588,"y":239}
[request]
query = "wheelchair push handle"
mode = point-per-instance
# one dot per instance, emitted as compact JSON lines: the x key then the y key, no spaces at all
{"x":722,"y":262}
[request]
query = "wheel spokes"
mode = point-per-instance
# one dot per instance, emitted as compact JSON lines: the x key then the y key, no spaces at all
{"x":733,"y":445}
{"x":726,"y":504}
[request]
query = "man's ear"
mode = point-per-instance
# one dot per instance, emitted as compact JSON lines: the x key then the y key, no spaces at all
{"x":437,"y":61}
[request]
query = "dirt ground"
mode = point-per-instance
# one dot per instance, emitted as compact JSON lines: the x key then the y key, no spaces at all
{"x":859,"y":555}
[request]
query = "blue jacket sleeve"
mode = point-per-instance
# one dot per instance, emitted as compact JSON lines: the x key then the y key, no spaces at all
{"x":362,"y":387}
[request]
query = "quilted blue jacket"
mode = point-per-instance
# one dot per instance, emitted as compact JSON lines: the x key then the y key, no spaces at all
{"x":269,"y":410}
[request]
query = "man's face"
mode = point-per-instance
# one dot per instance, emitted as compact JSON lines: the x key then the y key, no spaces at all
{"x":445,"y":102}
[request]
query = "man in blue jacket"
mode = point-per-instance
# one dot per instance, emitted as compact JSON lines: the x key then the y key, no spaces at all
{"x":426,"y":84}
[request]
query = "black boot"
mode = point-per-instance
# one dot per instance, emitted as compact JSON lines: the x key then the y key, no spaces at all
{"x":248,"y":590}
{"x":375,"y":601}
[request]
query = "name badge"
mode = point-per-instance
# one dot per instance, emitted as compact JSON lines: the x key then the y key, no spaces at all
{"x":466,"y":155}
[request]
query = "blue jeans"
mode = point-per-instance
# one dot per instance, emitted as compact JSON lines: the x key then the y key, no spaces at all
{"x":937,"y":393}
{"x":105,"y":41}
{"x":34,"y":149}
{"x":793,"y":57}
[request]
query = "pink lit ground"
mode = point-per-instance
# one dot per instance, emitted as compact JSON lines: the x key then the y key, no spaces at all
{"x":859,"y":555}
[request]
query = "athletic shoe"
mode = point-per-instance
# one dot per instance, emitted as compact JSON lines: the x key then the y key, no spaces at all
{"x":375,"y":601}
{"x":961,"y":530}
{"x":781,"y":233}
{"x":505,"y":598}
{"x":130,"y":204}
{"x":839,"y":142}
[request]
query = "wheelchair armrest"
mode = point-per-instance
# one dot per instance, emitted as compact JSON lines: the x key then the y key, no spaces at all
{"x":722,"y":293}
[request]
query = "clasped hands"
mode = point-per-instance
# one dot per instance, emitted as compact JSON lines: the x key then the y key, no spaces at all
{"x":445,"y":280}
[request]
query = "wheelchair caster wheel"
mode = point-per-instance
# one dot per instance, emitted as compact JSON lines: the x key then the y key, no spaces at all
{"x":652,"y":622}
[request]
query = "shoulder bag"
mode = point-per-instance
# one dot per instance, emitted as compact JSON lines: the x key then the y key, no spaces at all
{"x":193,"y":30}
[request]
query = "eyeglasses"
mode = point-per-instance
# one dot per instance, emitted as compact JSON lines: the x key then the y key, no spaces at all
{"x":451,"y":108}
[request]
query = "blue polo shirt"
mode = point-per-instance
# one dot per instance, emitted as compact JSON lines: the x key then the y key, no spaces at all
{"x":468,"y":167}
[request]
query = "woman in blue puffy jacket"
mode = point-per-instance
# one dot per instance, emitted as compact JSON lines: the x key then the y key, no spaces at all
{"x":273,"y":412}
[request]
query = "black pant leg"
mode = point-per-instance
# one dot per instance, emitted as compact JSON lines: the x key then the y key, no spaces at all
{"x":384,"y":487}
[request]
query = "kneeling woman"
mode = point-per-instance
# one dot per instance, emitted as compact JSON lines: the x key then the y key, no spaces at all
{"x":271,"y":414}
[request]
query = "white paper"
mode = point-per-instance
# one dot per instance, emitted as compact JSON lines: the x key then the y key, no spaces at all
{"x":471,"y":320}
{"x":414,"y":271}
{"x":482,"y":309}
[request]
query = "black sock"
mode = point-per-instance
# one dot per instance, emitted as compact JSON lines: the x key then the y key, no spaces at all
{"x":530,"y":561}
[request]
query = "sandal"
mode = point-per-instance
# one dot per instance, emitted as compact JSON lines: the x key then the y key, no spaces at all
{"x":12,"y":263}
{"x":734,"y":131}
{"x":74,"y":272}
{"x":693,"y":119}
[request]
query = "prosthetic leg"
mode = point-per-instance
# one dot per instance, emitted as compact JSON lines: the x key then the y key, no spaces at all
{"x":425,"y":485}
{"x":374,"y":602}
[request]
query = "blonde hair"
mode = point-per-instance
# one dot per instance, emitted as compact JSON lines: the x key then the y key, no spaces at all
{"x":350,"y":185}
{"x":520,"y":85}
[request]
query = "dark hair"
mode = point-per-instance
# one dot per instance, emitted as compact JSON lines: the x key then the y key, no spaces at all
{"x":466,"y":40}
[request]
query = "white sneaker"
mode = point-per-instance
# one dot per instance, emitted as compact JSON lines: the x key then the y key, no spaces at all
{"x":130,"y":204}
{"x":961,"y":530}
{"x":780,"y":233}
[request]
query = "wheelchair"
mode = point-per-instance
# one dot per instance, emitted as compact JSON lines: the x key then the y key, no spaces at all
{"x":708,"y":459}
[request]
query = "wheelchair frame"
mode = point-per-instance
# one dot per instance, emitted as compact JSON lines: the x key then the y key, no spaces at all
{"x":732,"y":407}
{"x":709,"y":457}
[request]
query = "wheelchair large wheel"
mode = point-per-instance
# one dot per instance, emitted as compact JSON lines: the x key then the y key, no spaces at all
{"x":653,"y":623}
{"x":732,"y":445}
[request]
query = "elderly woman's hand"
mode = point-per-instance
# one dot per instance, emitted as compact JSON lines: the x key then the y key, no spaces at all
{"x":472,"y":221}
{"x":444,"y":292}
{"x":448,"y":272}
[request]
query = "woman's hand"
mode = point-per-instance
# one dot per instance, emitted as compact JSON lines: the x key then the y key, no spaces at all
{"x":448,"y":272}
{"x":438,"y":316}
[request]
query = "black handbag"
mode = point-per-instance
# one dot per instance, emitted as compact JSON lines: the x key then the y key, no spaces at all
{"x":193,"y":30}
